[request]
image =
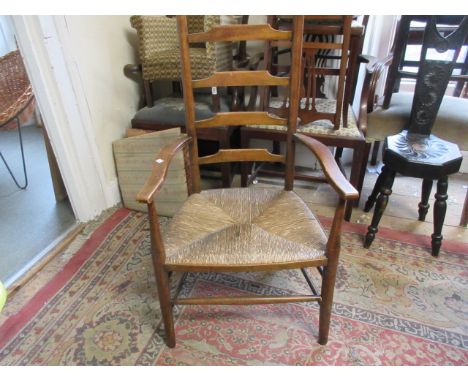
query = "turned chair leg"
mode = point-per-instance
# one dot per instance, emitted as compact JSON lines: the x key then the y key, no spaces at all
{"x":424,"y":205}
{"x":440,"y":208}
{"x":386,"y":183}
{"x":375,"y":192}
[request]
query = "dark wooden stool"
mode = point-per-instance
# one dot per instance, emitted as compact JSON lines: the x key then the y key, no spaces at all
{"x":415,"y":151}
{"x":418,"y":156}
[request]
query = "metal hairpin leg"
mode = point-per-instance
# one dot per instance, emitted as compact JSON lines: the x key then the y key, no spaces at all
{"x":22,"y":156}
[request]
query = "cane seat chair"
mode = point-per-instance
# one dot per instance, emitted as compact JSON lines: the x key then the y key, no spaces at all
{"x":330,"y":120}
{"x":16,"y":102}
{"x":243,"y":229}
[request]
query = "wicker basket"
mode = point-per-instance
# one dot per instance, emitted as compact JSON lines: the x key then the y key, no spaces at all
{"x":15,"y":90}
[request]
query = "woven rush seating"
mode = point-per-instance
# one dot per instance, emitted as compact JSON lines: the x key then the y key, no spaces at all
{"x":243,"y":229}
{"x":244,"y":226}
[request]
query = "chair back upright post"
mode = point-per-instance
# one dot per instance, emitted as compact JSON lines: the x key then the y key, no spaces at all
{"x":317,"y":45}
{"x":241,"y":78}
{"x":434,"y":74}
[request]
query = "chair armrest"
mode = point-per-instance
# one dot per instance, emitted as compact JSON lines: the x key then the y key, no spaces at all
{"x":331,"y":170}
{"x":159,"y":171}
{"x":374,"y":71}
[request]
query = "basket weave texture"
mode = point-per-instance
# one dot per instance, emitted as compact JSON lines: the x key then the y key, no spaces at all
{"x":244,"y":226}
{"x":159,"y":47}
{"x":15,"y":88}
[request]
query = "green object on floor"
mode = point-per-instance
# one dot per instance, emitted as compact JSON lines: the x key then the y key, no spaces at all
{"x":3,"y":295}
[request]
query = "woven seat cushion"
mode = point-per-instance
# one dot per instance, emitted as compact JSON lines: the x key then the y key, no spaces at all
{"x":324,"y":127}
{"x":244,"y":226}
{"x":171,"y":110}
{"x":451,"y":123}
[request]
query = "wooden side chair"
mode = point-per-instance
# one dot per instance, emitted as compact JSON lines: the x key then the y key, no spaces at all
{"x":415,"y":151}
{"x":384,"y":116}
{"x":387,"y":114}
{"x":244,"y":229}
{"x":160,"y":64}
{"x":17,"y":103}
{"x":329,"y":120}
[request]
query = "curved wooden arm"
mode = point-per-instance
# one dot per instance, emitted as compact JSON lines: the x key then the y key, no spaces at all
{"x":160,"y":167}
{"x":331,"y":170}
{"x":374,"y":70}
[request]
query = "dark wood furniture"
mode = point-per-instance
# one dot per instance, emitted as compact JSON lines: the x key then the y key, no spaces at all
{"x":321,"y":51}
{"x":244,"y":229}
{"x":415,"y":151}
{"x":401,"y":66}
{"x":160,"y":62}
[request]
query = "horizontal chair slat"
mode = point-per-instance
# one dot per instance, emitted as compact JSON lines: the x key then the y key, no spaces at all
{"x":245,"y":300}
{"x":322,"y":45}
{"x":241,"y":155}
{"x":240,"y":33}
{"x":241,"y":118}
{"x":241,"y":78}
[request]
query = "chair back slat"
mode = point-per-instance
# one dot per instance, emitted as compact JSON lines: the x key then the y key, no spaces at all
{"x":331,"y":33}
{"x":241,"y":118}
{"x":322,"y":45}
{"x":241,"y":78}
{"x":241,"y":155}
{"x":240,"y":33}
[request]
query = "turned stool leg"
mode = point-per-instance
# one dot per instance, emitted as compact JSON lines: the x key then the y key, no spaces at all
{"x":424,"y":205}
{"x":386,"y":182}
{"x":440,"y":207}
{"x":375,"y":192}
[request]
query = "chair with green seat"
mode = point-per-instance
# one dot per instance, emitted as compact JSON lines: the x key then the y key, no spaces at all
{"x":160,"y":65}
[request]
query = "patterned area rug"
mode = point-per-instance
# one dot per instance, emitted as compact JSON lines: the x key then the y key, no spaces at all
{"x":394,"y":305}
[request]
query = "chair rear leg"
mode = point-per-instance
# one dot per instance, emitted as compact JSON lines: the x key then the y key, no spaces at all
{"x":424,"y":204}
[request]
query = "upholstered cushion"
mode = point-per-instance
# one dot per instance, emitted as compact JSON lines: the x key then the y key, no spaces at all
{"x":171,"y":110}
{"x":324,"y":127}
{"x":451,"y":123}
{"x":159,"y":52}
{"x":244,"y":226}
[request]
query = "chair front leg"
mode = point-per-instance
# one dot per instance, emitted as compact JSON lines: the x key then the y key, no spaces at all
{"x":385,"y":190}
{"x":329,"y":273}
{"x":440,"y":208}
{"x":162,"y":276}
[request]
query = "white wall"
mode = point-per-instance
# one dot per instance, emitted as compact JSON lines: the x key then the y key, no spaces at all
{"x":7,"y":36}
{"x":100,"y":47}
